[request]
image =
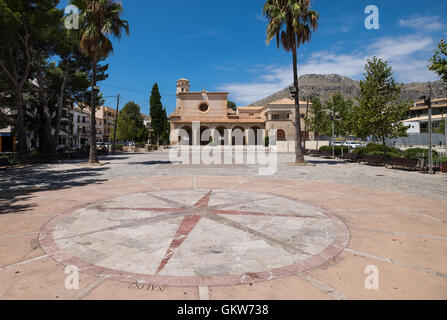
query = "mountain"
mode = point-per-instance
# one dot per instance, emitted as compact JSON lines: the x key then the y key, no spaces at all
{"x":325,"y":86}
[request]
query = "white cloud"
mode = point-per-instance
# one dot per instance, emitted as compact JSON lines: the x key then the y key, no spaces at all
{"x":407,"y":55}
{"x":427,"y":23}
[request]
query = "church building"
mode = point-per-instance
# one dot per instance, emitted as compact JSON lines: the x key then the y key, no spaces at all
{"x":211,"y":110}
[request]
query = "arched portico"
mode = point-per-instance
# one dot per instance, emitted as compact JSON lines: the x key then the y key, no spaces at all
{"x":238,"y":137}
{"x":185,"y":136}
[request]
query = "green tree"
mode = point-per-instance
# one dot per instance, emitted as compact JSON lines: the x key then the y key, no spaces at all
{"x":439,"y":61}
{"x":99,"y":20}
{"x":130,"y":125}
{"x":166,"y":128}
{"x":20,"y":22}
{"x":231,"y":105}
{"x":158,"y":115}
{"x":380,"y":113}
{"x":292,"y":23}
{"x":317,"y":119}
{"x":343,"y":110}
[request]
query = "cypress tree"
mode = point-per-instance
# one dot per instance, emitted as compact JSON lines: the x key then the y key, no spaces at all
{"x":156,"y":112}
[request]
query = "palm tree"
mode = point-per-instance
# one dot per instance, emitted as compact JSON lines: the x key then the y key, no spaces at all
{"x":99,"y":20}
{"x":292,"y":23}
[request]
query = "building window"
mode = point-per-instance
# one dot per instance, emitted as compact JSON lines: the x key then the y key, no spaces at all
{"x":275,"y":117}
{"x":203,"y":107}
{"x":280,"y":135}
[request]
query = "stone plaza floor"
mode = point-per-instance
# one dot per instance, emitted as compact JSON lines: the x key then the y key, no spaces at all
{"x":142,"y":227}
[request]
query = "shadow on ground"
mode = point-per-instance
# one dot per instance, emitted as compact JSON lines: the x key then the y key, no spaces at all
{"x":18,"y":186}
{"x":151,"y":163}
{"x":330,"y":162}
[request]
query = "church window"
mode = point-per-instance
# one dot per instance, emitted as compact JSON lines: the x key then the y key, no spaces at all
{"x":203,"y":107}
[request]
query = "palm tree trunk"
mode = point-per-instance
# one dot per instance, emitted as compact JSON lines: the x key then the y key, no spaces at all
{"x":299,"y":157}
{"x":93,"y":157}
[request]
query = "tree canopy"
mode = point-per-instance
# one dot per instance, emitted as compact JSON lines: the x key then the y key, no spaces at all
{"x":439,"y":61}
{"x":231,"y":105}
{"x":379,"y":112}
{"x":343,"y":113}
{"x":130,"y":125}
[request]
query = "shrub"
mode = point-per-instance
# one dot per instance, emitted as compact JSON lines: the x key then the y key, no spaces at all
{"x":337,"y":149}
{"x":118,"y":147}
{"x":370,"y":148}
{"x":417,"y":153}
{"x":36,"y":154}
{"x":391,"y":154}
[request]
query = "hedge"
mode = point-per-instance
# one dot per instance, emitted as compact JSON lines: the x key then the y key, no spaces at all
{"x":391,"y":154}
{"x":370,"y":148}
{"x":417,"y":153}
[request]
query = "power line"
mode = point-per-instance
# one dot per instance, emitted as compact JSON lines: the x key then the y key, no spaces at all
{"x":170,"y":95}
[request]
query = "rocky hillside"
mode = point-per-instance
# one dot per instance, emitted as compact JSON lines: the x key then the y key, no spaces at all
{"x":325,"y":86}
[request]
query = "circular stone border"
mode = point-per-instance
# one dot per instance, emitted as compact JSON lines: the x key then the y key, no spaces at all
{"x":49,"y":245}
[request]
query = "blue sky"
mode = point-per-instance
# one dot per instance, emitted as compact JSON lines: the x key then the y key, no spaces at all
{"x":220,"y":45}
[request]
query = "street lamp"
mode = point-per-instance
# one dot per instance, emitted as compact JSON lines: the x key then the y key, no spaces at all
{"x":293,"y":91}
{"x":427,"y":102}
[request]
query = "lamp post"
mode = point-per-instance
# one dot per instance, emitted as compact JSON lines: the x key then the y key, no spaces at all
{"x":427,"y":102}
{"x":445,"y":131}
{"x":333,"y":132}
{"x":115,"y":124}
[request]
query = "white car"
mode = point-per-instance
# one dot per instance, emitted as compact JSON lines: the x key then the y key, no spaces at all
{"x":352,"y":144}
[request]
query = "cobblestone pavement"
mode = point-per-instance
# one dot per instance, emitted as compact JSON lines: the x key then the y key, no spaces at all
{"x":141,"y":227}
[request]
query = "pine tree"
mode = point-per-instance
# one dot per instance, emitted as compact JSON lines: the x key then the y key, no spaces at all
{"x":157,"y":114}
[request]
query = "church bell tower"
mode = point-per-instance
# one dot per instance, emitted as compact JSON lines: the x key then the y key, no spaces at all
{"x":183,"y":85}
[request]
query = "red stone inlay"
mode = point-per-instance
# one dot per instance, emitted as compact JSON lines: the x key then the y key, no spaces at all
{"x":188,"y":223}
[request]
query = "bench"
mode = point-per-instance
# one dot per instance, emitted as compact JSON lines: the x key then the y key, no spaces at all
{"x":351,"y":157}
{"x":326,"y":154}
{"x":373,"y":159}
{"x":404,"y":163}
{"x":4,"y":163}
{"x":315,"y":153}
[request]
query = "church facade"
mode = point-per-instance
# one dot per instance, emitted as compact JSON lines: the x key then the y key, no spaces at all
{"x":224,"y":126}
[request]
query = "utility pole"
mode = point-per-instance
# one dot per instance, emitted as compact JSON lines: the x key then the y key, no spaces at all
{"x":116,"y":122}
{"x":427,"y":102}
{"x":445,"y":131}
{"x":333,"y":132}
{"x":430,"y":133}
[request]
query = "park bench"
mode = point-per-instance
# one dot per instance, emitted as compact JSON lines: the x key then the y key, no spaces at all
{"x":315,"y":153}
{"x":351,"y":157}
{"x":4,"y":163}
{"x":373,"y":160}
{"x":404,"y":163}
{"x":326,"y":154}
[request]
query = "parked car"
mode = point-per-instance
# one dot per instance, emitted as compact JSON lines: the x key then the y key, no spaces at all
{"x":352,"y":144}
{"x":337,"y":143}
{"x":60,"y":148}
{"x":100,"y":146}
